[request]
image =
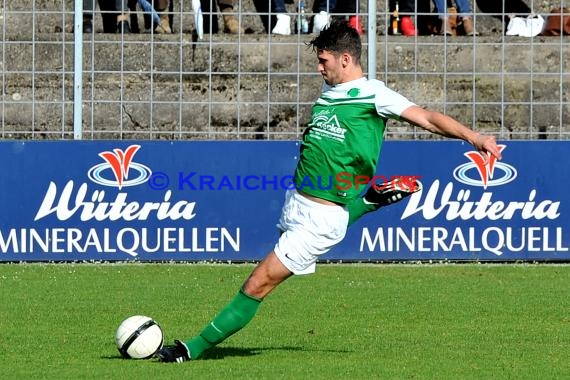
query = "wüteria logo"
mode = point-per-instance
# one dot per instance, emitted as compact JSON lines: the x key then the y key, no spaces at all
{"x":484,"y":170}
{"x":118,"y":167}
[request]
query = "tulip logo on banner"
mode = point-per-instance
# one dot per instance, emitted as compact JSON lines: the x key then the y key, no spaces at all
{"x":479,"y":173}
{"x":458,"y":222}
{"x":118,"y":165}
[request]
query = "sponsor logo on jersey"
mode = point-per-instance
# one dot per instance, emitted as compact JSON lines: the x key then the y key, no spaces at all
{"x":328,"y":126}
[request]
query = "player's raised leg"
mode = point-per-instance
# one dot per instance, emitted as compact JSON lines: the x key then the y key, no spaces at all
{"x":382,"y":194}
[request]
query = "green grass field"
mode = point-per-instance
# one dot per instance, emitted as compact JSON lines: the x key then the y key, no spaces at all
{"x":464,"y":321}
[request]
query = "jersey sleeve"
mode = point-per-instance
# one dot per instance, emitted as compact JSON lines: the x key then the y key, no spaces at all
{"x":389,"y":103}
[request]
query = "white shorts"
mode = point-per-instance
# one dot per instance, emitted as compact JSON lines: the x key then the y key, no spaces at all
{"x":310,"y":229}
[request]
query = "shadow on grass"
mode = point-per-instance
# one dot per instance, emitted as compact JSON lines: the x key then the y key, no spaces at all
{"x":221,"y":352}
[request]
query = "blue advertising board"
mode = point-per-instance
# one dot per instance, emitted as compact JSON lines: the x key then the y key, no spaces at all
{"x":213,"y":200}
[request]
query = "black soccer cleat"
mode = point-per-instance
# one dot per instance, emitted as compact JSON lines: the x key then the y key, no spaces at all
{"x":176,"y":353}
{"x":387,"y":193}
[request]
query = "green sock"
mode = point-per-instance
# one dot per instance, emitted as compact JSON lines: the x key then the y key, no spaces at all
{"x":358,"y":208}
{"x":232,"y":318}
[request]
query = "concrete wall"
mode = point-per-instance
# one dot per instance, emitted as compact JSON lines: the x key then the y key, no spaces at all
{"x":258,"y":86}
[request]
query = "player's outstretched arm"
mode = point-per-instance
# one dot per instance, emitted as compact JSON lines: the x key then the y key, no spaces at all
{"x":438,"y":123}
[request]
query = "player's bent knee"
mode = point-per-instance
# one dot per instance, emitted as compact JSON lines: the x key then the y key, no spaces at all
{"x":256,"y":288}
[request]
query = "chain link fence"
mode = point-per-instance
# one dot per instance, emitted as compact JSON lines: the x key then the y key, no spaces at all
{"x":258,"y":85}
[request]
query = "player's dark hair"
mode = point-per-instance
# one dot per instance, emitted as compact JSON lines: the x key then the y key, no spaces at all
{"x":339,"y":38}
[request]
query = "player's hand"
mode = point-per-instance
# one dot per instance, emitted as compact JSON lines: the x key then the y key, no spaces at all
{"x":487,"y":145}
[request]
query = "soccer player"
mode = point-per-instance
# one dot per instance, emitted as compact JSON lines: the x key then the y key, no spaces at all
{"x":344,"y":136}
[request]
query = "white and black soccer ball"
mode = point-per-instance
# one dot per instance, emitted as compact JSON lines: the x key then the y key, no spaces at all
{"x":139,"y":337}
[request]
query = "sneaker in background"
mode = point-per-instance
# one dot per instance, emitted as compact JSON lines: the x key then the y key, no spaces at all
{"x":87,"y":25}
{"x":165,"y":24}
{"x":123,"y":27}
{"x":231,"y":25}
{"x":283,"y":25}
{"x":320,"y":21}
{"x":468,"y":27}
{"x":407,"y":26}
{"x":354,"y":22}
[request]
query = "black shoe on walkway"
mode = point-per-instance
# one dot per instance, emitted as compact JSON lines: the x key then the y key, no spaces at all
{"x":87,"y":26}
{"x":123,"y":27}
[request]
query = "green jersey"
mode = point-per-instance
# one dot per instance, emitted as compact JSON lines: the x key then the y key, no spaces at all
{"x":342,"y":142}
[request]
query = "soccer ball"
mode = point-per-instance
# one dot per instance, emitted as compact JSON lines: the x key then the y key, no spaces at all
{"x":138,"y":337}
